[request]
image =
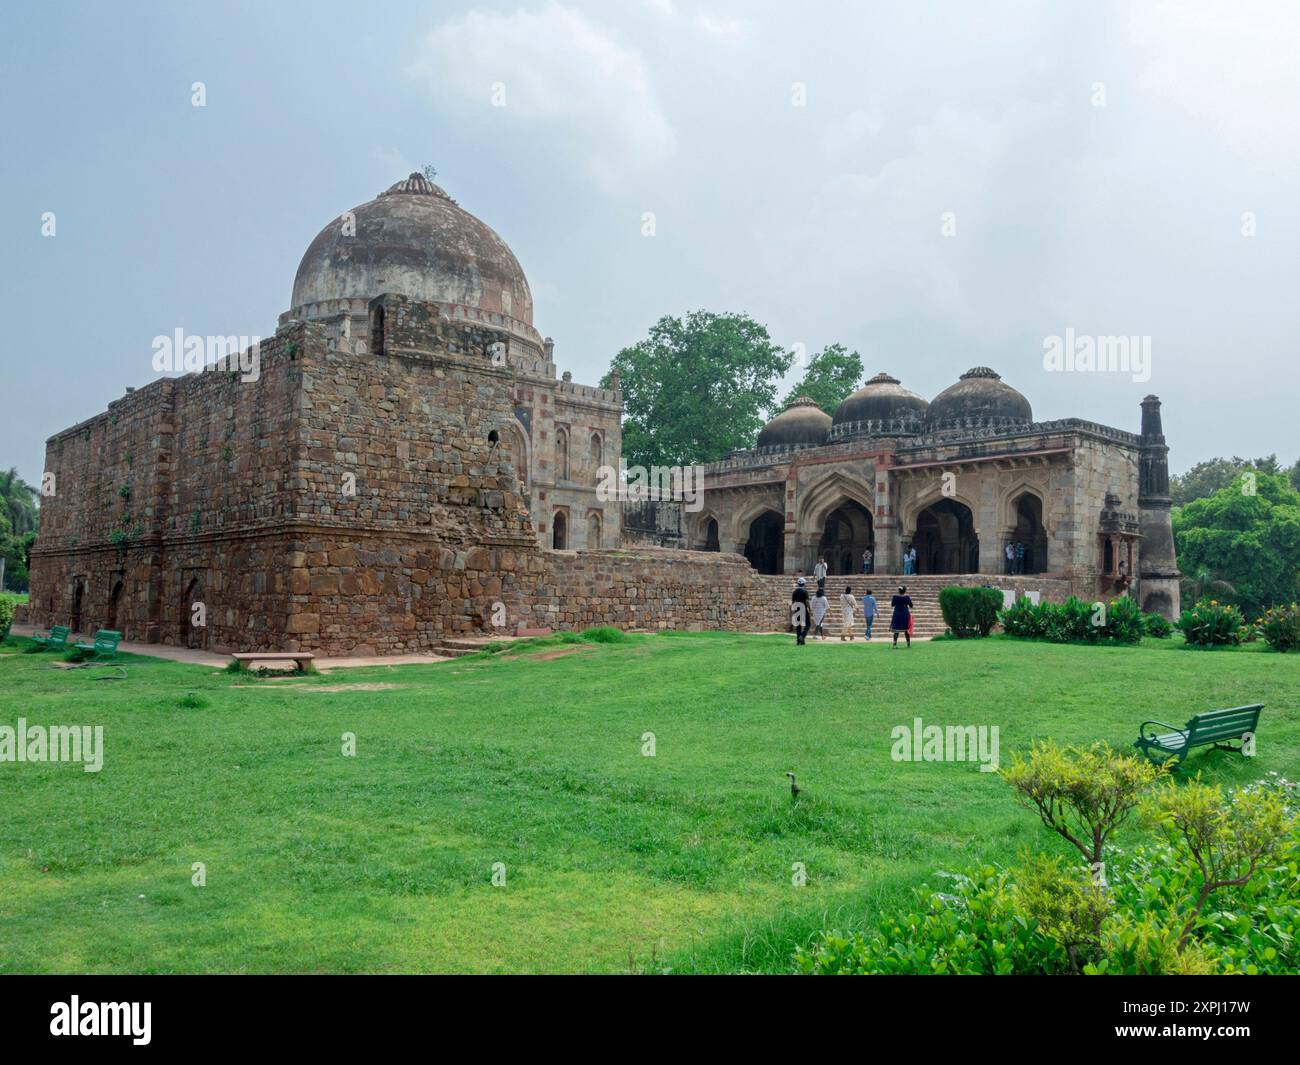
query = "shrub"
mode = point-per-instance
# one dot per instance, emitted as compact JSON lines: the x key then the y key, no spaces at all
{"x":970,"y":611}
{"x":1157,"y":625}
{"x":1280,"y":627}
{"x":1074,"y":621}
{"x":1124,"y":621}
{"x":8,"y":604}
{"x":1212,"y":624}
{"x":604,"y":634}
{"x":1023,"y":619}
{"x":973,"y":929}
{"x":1081,"y":793}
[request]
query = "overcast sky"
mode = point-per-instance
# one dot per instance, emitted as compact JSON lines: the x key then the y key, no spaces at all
{"x":1096,"y":167}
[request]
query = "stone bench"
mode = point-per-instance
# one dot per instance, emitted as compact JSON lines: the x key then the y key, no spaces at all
{"x":301,"y":659}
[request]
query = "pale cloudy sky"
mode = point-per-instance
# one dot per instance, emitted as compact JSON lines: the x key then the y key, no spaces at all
{"x":823,"y":221}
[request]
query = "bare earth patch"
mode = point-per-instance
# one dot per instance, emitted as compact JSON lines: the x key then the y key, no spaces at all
{"x":326,"y":687}
{"x":546,"y":656}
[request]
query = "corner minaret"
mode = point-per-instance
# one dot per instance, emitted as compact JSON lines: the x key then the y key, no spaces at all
{"x":1157,"y":560}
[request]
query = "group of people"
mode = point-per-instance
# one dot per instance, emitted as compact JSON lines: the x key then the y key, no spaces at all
{"x":1015,"y":555}
{"x":809,"y":614}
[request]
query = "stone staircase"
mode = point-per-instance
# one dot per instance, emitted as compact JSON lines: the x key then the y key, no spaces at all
{"x":924,"y":591}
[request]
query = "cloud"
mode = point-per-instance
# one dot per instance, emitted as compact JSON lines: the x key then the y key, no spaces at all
{"x":554,"y":79}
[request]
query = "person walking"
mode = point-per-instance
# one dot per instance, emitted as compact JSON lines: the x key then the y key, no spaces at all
{"x":1020,"y":557}
{"x":869,"y":611}
{"x":907,"y":562}
{"x":819,"y":571}
{"x":911,"y":557}
{"x":1011,"y":558}
{"x":799,"y":611}
{"x":867,"y":556}
{"x":901,"y":621}
{"x":820,"y":605}
{"x":848,"y":608}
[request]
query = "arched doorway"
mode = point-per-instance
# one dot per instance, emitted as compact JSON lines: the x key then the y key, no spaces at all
{"x":1030,"y":532}
{"x":194,"y":623}
{"x":945,"y":539}
{"x":765,"y":547}
{"x":114,"y":597}
{"x":78,"y":600}
{"x":593,"y":532}
{"x":711,"y":542}
{"x":848,"y":532}
{"x":560,"y":531}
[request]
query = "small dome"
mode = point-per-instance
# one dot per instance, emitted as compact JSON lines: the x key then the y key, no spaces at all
{"x":802,"y":422}
{"x":415,"y":240}
{"x":880,"y":407}
{"x":979,"y":400}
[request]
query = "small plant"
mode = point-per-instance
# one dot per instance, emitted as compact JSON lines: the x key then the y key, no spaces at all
{"x":1083,"y":794}
{"x":1157,"y":625}
{"x":1280,"y":627}
{"x":124,"y":491}
{"x":1212,"y":624}
{"x":191,"y":701}
{"x":604,"y":634}
{"x":8,"y":604}
{"x":227,"y":453}
{"x":970,"y":611}
{"x":196,"y":519}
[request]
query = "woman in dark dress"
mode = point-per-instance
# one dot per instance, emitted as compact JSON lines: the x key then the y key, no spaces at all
{"x":901,"y":620}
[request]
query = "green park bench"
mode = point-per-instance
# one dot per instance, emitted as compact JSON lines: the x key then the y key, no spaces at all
{"x":1210,"y":729}
{"x":104,"y":647}
{"x":57,"y":638}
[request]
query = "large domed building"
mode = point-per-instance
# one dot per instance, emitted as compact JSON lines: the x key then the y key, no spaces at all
{"x":400,"y":463}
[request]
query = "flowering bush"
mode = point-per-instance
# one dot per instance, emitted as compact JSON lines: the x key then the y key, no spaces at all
{"x":1280,"y":627}
{"x":1212,"y":624}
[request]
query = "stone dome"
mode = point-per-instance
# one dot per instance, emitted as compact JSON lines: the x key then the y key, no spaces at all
{"x":979,"y":400}
{"x":802,"y":422}
{"x":881,"y":406}
{"x":415,"y":240}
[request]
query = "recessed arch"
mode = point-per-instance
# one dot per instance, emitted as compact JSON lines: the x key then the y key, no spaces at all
{"x":818,"y":500}
{"x":741,"y":519}
{"x":765,"y":542}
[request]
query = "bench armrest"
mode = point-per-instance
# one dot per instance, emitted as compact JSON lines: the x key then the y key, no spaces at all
{"x":1142,"y":729}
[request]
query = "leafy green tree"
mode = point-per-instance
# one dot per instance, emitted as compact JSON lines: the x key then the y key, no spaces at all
{"x":696,"y":388}
{"x":832,"y":374}
{"x":1247,"y":536}
{"x":1206,"y":478}
{"x":19,"y":501}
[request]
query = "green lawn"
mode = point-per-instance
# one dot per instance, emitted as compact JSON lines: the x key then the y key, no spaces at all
{"x":318,"y":862}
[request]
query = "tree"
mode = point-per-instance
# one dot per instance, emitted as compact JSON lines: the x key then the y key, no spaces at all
{"x":19,"y":500}
{"x":1206,"y":478}
{"x":1248,"y":536}
{"x":696,"y":388}
{"x":832,"y":374}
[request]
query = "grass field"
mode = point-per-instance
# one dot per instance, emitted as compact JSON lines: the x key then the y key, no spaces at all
{"x":614,"y":861}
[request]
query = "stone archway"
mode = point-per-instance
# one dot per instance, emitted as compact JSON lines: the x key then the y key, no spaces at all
{"x":765,"y":547}
{"x":847,"y":532}
{"x":78,"y":603}
{"x":711,"y":542}
{"x":114,"y":598}
{"x":945,"y":539}
{"x":1029,"y":530}
{"x":560,"y":531}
